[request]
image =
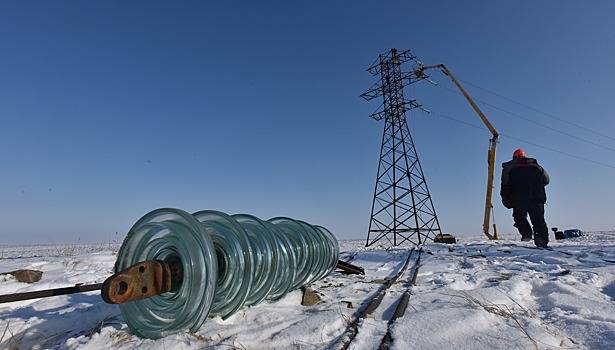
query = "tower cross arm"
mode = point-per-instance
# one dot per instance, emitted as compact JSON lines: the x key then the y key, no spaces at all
{"x":373,"y":92}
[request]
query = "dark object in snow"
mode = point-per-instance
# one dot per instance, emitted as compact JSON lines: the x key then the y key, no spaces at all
{"x":25,"y":275}
{"x":309,"y":297}
{"x":349,"y":269}
{"x":348,"y":304}
{"x":573,"y":233}
{"x":558,"y":234}
{"x":445,"y":238}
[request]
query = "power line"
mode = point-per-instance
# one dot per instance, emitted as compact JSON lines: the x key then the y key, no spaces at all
{"x":560,"y":152}
{"x":549,"y":127}
{"x":475,"y":126}
{"x":550,"y":115}
{"x":534,"y":122}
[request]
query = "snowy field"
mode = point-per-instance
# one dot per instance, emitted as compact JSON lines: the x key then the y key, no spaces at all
{"x":473,"y":295}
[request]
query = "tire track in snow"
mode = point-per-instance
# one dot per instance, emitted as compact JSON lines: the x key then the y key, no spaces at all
{"x":402,"y":305}
{"x":372,"y":304}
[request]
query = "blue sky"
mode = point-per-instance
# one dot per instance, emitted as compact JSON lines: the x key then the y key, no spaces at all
{"x":109,"y":110}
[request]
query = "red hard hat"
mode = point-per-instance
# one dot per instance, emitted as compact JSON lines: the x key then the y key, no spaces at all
{"x":519,"y":153}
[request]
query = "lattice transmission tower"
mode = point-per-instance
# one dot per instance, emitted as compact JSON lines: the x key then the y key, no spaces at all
{"x":402,"y":209}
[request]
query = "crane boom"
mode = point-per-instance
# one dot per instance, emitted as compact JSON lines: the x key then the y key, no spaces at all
{"x":492,"y":146}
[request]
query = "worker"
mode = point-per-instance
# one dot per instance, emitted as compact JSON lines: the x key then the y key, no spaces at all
{"x":523,"y":191}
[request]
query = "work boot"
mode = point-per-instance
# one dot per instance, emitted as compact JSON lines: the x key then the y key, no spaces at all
{"x":526,"y":238}
{"x":540,"y":241}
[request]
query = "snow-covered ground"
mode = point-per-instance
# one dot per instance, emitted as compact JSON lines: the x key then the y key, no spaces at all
{"x":473,"y":295}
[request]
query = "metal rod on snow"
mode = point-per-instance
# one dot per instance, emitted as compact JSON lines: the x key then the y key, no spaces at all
{"x":8,"y":298}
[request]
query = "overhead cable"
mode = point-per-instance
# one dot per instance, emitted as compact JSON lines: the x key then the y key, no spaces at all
{"x":534,"y":109}
{"x":530,"y":120}
{"x":475,"y":126}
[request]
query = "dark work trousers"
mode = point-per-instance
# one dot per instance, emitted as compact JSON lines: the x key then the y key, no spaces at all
{"x":537,"y":216}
